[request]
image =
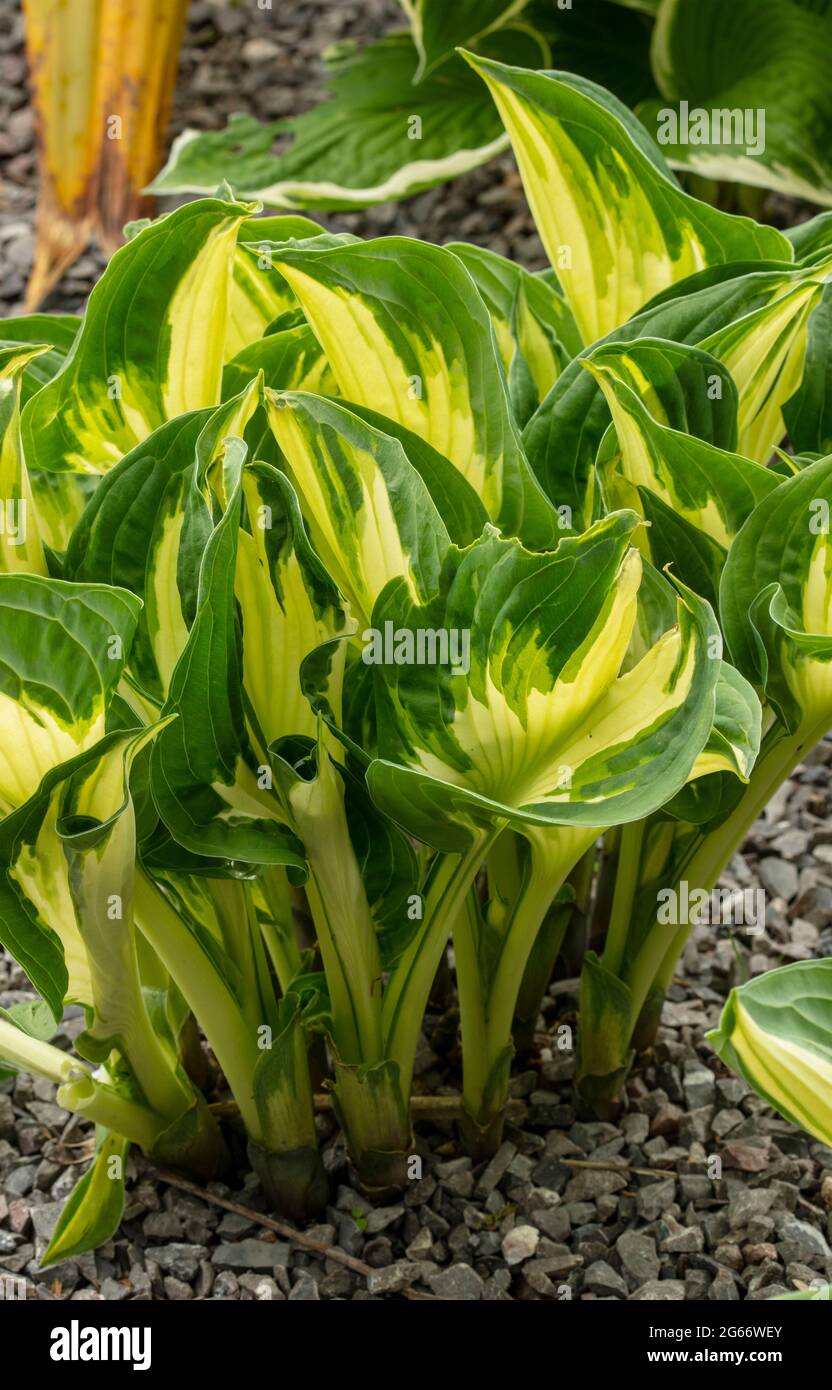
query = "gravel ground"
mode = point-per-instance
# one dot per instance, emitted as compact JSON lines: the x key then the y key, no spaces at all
{"x":567,"y":1208}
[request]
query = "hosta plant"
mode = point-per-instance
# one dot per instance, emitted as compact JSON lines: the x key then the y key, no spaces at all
{"x":363,"y":597}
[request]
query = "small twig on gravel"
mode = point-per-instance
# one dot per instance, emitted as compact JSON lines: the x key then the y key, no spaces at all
{"x":330,"y":1252}
{"x":421,"y":1107}
{"x":614,"y":1167}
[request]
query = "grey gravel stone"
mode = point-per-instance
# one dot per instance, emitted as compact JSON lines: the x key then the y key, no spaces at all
{"x":638,"y":1256}
{"x":381,"y":1217}
{"x":724,"y":1288}
{"x":305,"y":1290}
{"x":602,"y":1279}
{"x":801,"y":1241}
{"x":748,"y":1203}
{"x":699,"y":1086}
{"x":779,"y":878}
{"x":659,"y":1291}
{"x":252,"y":1254}
{"x":394,"y":1277}
{"x":655,"y":1198}
{"x":182,"y":1261}
{"x":494,"y":1170}
{"x":590,"y":1183}
{"x":460,"y":1282}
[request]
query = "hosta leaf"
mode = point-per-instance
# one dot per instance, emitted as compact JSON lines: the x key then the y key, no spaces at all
{"x":762,"y":59}
{"x":456,"y":501}
{"x":776,"y":598}
{"x":62,"y":651}
{"x":378,"y":137}
{"x":536,"y":333}
{"x":389,"y":869}
{"x":676,"y":545}
{"x":812,"y":237}
{"x":291,"y":360}
{"x":257,"y":294}
{"x":682,"y":386}
{"x":541,"y":728}
{"x":133,"y":364}
{"x":289,"y":607}
{"x":808,"y":414}
{"x":407,"y":334}
{"x":20,"y":540}
{"x":765,"y":354}
{"x":67,"y":861}
{"x":735,"y":737}
{"x":264,"y":603}
{"x":55,"y":332}
{"x":628,"y":229}
{"x":714,"y":490}
{"x":145,"y":529}
{"x":438,"y":28}
{"x":67,"y":858}
{"x":775,"y":1032}
{"x":369,"y":513}
{"x":563,"y":436}
{"x":92,"y":1212}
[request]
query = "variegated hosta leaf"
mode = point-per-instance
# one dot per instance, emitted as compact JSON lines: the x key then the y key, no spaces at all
{"x":735,"y":738}
{"x":237,"y":684}
{"x":291,"y":360}
{"x":55,"y":332}
{"x":765,"y":353}
{"x":150,"y":346}
{"x":146,"y":527}
{"x":257,"y":294}
{"x":369,"y":514}
{"x":757,"y":106}
{"x":261,"y":301}
{"x":712,"y":489}
{"x":62,"y":652}
{"x":682,"y":386}
{"x":563,"y":437}
{"x":93,"y":1211}
{"x":776,"y":1031}
{"x":20,"y":541}
{"x":616,"y":226}
{"x":536,"y":333}
{"x":456,"y":501}
{"x":68,"y":860}
{"x":503,"y":700}
{"x":438,"y":28}
{"x":808,"y":414}
{"x":289,"y":608}
{"x":377,"y":137}
{"x":776,"y":599}
{"x":407,"y":334}
{"x":38,"y":921}
{"x":727,"y":760}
